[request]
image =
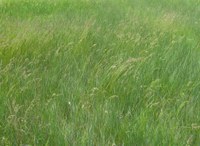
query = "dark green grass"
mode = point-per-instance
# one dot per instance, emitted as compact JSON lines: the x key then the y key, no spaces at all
{"x":99,"y":72}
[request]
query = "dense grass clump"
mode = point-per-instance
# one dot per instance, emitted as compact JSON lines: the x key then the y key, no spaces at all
{"x":104,"y":72}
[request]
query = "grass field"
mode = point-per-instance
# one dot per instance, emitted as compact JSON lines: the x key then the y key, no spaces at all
{"x":100,"y":72}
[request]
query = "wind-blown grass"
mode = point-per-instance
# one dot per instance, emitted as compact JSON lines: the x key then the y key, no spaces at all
{"x":104,"y":72}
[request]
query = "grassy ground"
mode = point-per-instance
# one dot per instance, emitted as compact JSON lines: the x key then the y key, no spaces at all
{"x":103,"y":72}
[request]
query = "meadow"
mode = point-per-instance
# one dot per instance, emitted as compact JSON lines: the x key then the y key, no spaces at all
{"x":100,"y":72}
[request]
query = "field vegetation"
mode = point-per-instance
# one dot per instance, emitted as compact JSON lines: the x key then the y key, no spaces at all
{"x":100,"y":72}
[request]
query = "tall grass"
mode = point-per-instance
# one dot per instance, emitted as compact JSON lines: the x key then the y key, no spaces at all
{"x":104,"y":72}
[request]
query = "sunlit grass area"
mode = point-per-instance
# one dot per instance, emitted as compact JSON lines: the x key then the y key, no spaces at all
{"x":100,"y":73}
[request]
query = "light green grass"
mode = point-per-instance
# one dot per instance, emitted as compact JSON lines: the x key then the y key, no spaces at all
{"x":98,"y":73}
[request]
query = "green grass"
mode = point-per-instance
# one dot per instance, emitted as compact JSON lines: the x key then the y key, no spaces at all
{"x":100,"y":73}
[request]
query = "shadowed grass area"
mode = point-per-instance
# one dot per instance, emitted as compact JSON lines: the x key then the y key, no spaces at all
{"x":105,"y":72}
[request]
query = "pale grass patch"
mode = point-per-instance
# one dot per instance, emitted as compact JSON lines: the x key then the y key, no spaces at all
{"x":167,"y":20}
